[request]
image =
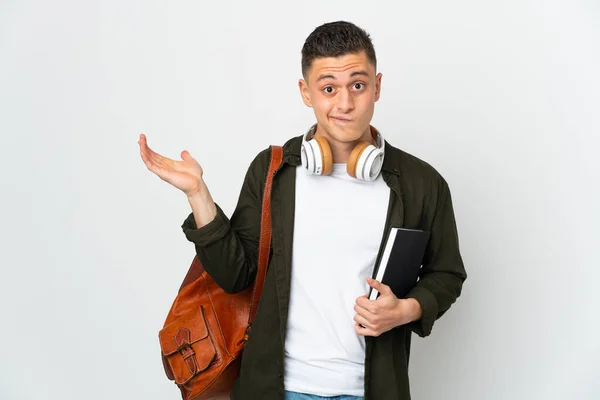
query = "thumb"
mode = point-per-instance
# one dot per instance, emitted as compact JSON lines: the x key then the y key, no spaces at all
{"x":380,"y":287}
{"x":186,"y":156}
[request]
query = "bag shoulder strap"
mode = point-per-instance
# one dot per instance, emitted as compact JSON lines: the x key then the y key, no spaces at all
{"x":196,"y":268}
{"x":265,"y":231}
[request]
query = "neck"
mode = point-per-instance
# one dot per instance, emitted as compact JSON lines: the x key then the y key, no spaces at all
{"x":341,"y":150}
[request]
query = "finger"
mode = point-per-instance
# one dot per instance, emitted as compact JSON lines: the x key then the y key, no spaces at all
{"x":150,"y":154}
{"x":358,"y":329}
{"x":181,"y":165}
{"x":364,"y":297}
{"x":363,"y":331}
{"x":150,"y":162}
{"x":186,"y":156}
{"x":369,"y":305}
{"x":154,"y":156}
{"x":160,"y":161}
{"x":154,"y":162}
{"x":359,"y":319}
{"x":364,"y":313}
{"x":143,"y":141}
{"x":145,"y":157}
{"x":381,"y":288}
{"x":145,"y":151}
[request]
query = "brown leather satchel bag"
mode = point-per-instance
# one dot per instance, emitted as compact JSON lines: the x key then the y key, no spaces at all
{"x":205,"y":331}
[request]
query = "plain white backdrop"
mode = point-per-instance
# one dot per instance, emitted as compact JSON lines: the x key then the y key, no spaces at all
{"x":503,"y":98}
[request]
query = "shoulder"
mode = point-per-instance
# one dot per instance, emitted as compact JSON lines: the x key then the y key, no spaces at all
{"x":291,"y":148}
{"x":416,"y":171}
{"x":411,"y":165}
{"x":259,"y":166}
{"x":257,"y":171}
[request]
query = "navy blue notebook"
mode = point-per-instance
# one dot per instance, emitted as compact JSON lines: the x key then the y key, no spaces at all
{"x":401,"y":261}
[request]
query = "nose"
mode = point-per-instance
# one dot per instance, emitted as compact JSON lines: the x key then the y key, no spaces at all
{"x":345,"y":101}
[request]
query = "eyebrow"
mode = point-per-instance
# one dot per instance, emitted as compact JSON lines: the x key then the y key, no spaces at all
{"x":329,"y":76}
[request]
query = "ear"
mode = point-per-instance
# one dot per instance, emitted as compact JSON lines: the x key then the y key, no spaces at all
{"x":303,"y":86}
{"x":377,"y":86}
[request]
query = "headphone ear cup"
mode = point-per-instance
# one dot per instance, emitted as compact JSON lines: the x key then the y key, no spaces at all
{"x":365,"y":162}
{"x":326,"y":155}
{"x":351,"y":166}
{"x":308,"y":157}
{"x":373,"y":162}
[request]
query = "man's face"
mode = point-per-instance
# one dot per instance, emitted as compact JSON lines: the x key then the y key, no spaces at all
{"x":342,"y":91}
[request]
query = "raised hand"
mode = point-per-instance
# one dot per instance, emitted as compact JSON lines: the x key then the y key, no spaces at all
{"x":185,"y":175}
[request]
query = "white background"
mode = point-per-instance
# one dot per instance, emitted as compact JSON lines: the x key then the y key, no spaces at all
{"x":503,"y":98}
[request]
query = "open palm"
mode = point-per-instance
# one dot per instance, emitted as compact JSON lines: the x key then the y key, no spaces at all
{"x":185,"y":175}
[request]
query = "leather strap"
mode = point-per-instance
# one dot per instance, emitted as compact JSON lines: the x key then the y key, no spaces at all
{"x":264,"y":246}
{"x":265,"y":233}
{"x":196,"y":269}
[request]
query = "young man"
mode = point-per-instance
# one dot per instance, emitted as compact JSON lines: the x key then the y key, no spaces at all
{"x":340,"y":188}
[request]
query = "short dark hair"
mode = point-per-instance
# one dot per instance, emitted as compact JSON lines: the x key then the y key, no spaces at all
{"x":335,"y":39}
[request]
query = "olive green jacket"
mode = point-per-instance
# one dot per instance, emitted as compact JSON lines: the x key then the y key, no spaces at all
{"x":227,"y":248}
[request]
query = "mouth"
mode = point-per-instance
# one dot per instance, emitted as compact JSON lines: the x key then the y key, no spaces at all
{"x":343,"y":120}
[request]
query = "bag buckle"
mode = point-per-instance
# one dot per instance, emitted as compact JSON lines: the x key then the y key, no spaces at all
{"x":183,"y":339}
{"x":185,"y":349}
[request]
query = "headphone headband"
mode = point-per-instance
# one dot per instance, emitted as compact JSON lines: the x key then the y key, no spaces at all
{"x":375,"y":134}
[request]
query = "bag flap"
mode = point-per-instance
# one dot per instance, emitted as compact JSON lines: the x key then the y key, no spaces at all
{"x":186,"y":345}
{"x":189,"y":328}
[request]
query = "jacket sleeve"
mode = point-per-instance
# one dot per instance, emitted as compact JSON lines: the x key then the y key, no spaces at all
{"x":443,"y":273}
{"x":228,"y":248}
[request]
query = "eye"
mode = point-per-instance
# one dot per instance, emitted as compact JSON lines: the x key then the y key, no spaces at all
{"x":328,"y":89}
{"x":359,"y":85}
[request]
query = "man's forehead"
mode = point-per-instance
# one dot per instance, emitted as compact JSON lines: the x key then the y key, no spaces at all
{"x":348,"y":65}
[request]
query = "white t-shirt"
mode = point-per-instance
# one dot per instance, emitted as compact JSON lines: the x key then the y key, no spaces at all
{"x":338,"y":227}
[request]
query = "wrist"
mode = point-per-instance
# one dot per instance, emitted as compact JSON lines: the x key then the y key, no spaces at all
{"x":409,"y":310}
{"x":198,"y":195}
{"x":203,"y":208}
{"x":416,"y":312}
